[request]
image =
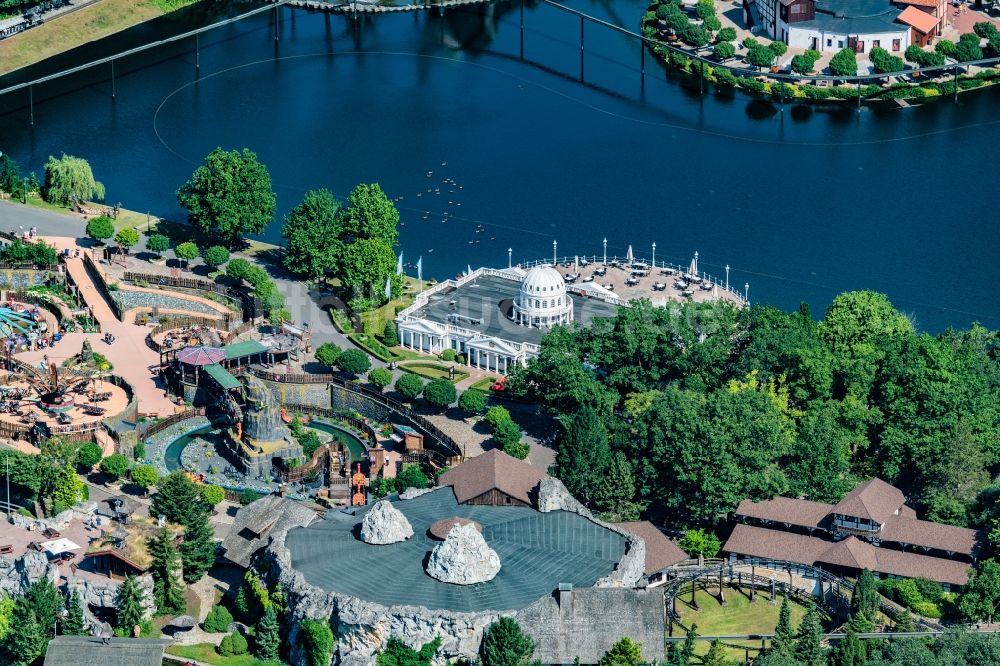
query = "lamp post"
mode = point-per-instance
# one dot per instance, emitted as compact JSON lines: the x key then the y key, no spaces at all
{"x":605,"y":251}
{"x":554,"y":245}
{"x":24,"y":191}
{"x":510,"y":252}
{"x":746,"y":292}
{"x":654,"y":254}
{"x":727,"y":277}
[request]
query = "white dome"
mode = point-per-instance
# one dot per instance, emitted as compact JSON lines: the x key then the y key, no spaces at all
{"x":542,"y":299}
{"x":543,"y":281}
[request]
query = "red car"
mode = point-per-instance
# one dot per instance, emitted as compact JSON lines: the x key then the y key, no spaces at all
{"x":498,"y":385}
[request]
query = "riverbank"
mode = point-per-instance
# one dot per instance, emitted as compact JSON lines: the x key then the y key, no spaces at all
{"x":96,"y":21}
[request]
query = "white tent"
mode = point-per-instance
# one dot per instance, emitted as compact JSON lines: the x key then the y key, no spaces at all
{"x":57,"y":546}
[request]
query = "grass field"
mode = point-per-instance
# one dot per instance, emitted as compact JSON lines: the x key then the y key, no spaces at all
{"x":205,"y":652}
{"x":374,"y":320}
{"x":101,"y":19}
{"x":484,"y":384}
{"x":433,"y":370}
{"x":737,"y":617}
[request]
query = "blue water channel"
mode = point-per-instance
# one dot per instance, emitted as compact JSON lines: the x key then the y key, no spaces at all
{"x":484,"y":151}
{"x":172,"y":454}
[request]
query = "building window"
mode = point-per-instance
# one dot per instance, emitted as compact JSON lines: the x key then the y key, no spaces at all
{"x":545,"y":304}
{"x":895,"y":45}
{"x":840,"y":43}
{"x":859,"y":47}
{"x":829,"y":42}
{"x":876,"y":44}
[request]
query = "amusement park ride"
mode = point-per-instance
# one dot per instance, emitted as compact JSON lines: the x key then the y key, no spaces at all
{"x":358,"y":481}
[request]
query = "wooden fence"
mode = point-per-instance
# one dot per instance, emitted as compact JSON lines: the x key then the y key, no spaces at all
{"x":160,"y":426}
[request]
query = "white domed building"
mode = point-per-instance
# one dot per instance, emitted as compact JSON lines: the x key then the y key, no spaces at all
{"x":542,"y":300}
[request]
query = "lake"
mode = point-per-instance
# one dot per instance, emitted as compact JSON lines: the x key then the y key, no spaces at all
{"x":485,"y":152}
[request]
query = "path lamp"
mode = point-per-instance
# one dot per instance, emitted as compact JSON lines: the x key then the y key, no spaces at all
{"x":24,"y":191}
{"x":605,"y":251}
{"x":509,"y":254}
{"x":727,"y":277}
{"x":554,"y":245}
{"x":746,"y":292}
{"x":654,"y":254}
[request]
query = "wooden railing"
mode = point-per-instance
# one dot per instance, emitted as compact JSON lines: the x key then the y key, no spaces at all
{"x":160,"y":426}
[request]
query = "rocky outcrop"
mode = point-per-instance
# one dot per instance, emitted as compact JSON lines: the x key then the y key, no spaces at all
{"x":630,"y":568}
{"x":412,"y":493}
{"x":60,"y":521}
{"x":102,"y":593}
{"x":464,"y":558}
{"x":17,"y":575}
{"x":385,"y":524}
{"x":553,"y":496}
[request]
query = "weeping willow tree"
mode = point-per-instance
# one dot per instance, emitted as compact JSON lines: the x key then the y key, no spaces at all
{"x":70,"y":178}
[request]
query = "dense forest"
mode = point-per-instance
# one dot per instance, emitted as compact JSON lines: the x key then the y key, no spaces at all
{"x":679,"y":413}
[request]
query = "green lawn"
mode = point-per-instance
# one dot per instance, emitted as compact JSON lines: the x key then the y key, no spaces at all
{"x":737,"y":617}
{"x":484,"y":384}
{"x":126,"y":218}
{"x":433,"y":370}
{"x":374,"y":320}
{"x":205,"y":652}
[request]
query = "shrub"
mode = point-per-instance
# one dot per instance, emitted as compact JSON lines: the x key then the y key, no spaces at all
{"x":409,"y":386}
{"x":945,"y":47}
{"x":750,"y":42}
{"x":844,"y":63}
{"x":327,"y":353}
{"x":353,"y":362}
{"x":778,"y":48}
{"x":411,"y":476}
{"x":218,"y":620}
{"x":115,"y":465}
{"x":448,"y":355}
{"x":677,"y":21}
{"x":216,"y":255}
{"x":968,"y":49}
{"x":698,"y":541}
{"x":507,"y":433}
{"x":472,"y":401}
{"x":439,"y":393}
{"x":211,"y":495}
{"x":884,"y":62}
{"x":496,"y":415}
{"x":519,"y":449}
{"x":233,"y":645}
{"x":724,"y":77}
{"x":389,"y":337}
{"x":317,"y":641}
{"x":100,"y":228}
{"x":726,"y":34}
{"x":705,"y":8}
{"x":695,"y":35}
{"x":380,"y":377}
{"x":712,"y":23}
{"x":249,"y":497}
{"x":724,"y":51}
{"x":986,"y":30}
{"x":89,"y":455}
{"x":139,"y":452}
{"x":750,"y":85}
{"x":144,"y":476}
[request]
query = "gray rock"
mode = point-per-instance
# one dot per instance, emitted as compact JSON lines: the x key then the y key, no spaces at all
{"x":384,"y":524}
{"x":464,"y":558}
{"x":553,"y":496}
{"x":102,"y":593}
{"x":631,"y":568}
{"x":411,"y":492}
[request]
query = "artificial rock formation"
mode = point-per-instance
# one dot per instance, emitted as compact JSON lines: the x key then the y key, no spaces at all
{"x":464,"y":558}
{"x":385,"y":524}
{"x":413,"y":493}
{"x":553,"y":496}
{"x":17,"y":575}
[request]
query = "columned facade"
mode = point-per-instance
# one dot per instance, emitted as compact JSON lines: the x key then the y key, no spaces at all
{"x":542,"y":300}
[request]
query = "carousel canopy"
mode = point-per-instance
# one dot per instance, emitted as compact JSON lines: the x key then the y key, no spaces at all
{"x":14,"y":323}
{"x":201,"y":355}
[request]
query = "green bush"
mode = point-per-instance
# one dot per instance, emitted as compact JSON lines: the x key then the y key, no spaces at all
{"x":726,"y":34}
{"x":750,"y":85}
{"x":724,"y":77}
{"x":317,"y":641}
{"x":844,"y":63}
{"x":472,"y":401}
{"x":724,"y":51}
{"x":216,"y":255}
{"x":805,"y":62}
{"x":115,"y":465}
{"x":380,"y":377}
{"x":249,"y":497}
{"x":139,"y":452}
{"x":89,"y":454}
{"x":448,"y":355}
{"x":409,"y":386}
{"x":389,"y":336}
{"x":945,"y":47}
{"x":705,"y":9}
{"x":695,"y":35}
{"x":157,"y":243}
{"x":986,"y":30}
{"x":233,"y":645}
{"x":712,"y":23}
{"x":519,"y":450}
{"x":218,"y":620}
{"x":411,"y":476}
{"x":101,"y":228}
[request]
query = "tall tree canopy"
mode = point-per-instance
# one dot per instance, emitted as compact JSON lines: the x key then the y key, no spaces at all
{"x":229,"y":196}
{"x":70,"y":178}
{"x":312,"y":233}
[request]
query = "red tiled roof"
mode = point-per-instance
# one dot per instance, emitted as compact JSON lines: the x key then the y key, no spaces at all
{"x":915,"y":532}
{"x":874,"y":499}
{"x":853,"y":553}
{"x":919,"y":3}
{"x":661,"y":552}
{"x":786,"y":510}
{"x":922,"y":21}
{"x":492,"y":470}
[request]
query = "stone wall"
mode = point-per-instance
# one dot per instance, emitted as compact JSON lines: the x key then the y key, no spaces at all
{"x":60,"y":521}
{"x":341,"y":398}
{"x":314,"y":395}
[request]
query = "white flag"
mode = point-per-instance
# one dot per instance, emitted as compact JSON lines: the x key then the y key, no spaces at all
{"x":399,"y":264}
{"x":388,"y":287}
{"x":420,"y":269}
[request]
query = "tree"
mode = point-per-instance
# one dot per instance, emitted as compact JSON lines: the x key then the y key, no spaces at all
{"x":398,"y":653}
{"x":849,"y":652}
{"x":695,"y":35}
{"x":804,"y":63}
{"x":127,"y":238}
{"x":698,"y":542}
{"x":865,"y":602}
{"x":45,"y":601}
{"x":70,"y":178}
{"x":411,"y":476}
{"x":584,"y":454}
{"x":187,"y":251}
{"x":778,"y":48}
{"x":216,"y":255}
{"x":10,"y":175}
{"x":217,"y":620}
{"x":505,"y":644}
{"x":353,"y":362}
{"x":380,"y":378}
{"x":712,"y":23}
{"x":507,"y":433}
{"x":100,"y":228}
{"x":389,"y":337}
{"x":68,"y":490}
{"x":784,"y":636}
{"x":365,"y":265}
{"x":472,"y":401}
{"x":705,"y":8}
{"x":229,"y":196}
{"x":759,"y":56}
{"x":968,"y":48}
{"x":30,"y":640}
{"x":158,"y":243}
{"x":623,"y":653}
{"x":616,"y":495}
{"x":327,"y":353}
{"x":409,"y":386}
{"x":807,"y":645}
{"x":981,"y":596}
{"x":439,"y":393}
{"x":212,"y":495}
{"x":312,"y":233}
{"x":166,"y":563}
{"x":144,"y":476}
{"x":74,"y":623}
{"x":844,"y":63}
{"x":517,"y":449}
{"x":726,"y":34}
{"x":687,"y":649}
{"x":115,"y":465}
{"x":268,"y":638}
{"x":370,"y":215}
{"x":198,"y":548}
{"x":716,"y":655}
{"x":317,"y":641}
{"x":233,"y":645}
{"x":724,"y":51}
{"x":176,"y":499}
{"x":945,"y":47}
{"x":884,"y":62}
{"x":129,"y":605}
{"x":986,"y":29}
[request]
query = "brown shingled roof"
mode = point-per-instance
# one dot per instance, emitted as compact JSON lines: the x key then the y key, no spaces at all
{"x":874,"y":499}
{"x":931,"y":535}
{"x":775,"y":545}
{"x":493,"y":469}
{"x":661,"y":552}
{"x":786,"y":510}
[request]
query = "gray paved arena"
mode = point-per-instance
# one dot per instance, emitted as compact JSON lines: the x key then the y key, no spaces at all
{"x":537,"y":552}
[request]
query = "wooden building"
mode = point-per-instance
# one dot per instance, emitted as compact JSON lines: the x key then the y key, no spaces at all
{"x":494,"y":479}
{"x":113,"y":564}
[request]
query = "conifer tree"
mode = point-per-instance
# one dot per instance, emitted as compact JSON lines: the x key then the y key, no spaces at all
{"x":807,"y":645}
{"x":784,"y":635}
{"x":505,"y":644}
{"x":198,"y":549}
{"x":584,"y":454}
{"x":28,"y":638}
{"x":267,"y":638}
{"x":616,"y":493}
{"x":687,"y":651}
{"x":864,"y":602}
{"x":176,"y":499}
{"x":73,"y":625}
{"x":129,"y":605}
{"x":716,"y":656}
{"x":167,"y":587}
{"x":849,"y":652}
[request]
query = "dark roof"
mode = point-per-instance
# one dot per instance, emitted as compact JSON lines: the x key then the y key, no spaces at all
{"x":853,"y":16}
{"x":493,"y":469}
{"x":786,"y":510}
{"x":122,"y":504}
{"x":537,"y":551}
{"x":118,"y":555}
{"x":924,"y":533}
{"x":851,"y":552}
{"x":76,"y":650}
{"x":874,"y":499}
{"x":661,"y":552}
{"x":594,"y":620}
{"x":252,"y":523}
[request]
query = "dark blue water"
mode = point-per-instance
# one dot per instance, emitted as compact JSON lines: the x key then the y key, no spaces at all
{"x":802,"y":204}
{"x":353,"y":443}
{"x":172,"y":454}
